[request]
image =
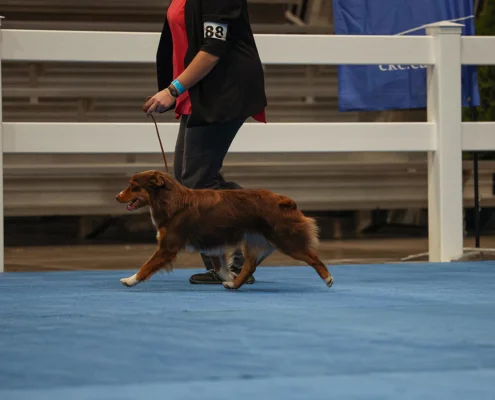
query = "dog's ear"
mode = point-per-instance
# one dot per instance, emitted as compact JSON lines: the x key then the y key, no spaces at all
{"x":158,"y":180}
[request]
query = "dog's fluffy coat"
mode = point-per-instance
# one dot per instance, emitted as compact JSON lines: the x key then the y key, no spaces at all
{"x":210,"y":221}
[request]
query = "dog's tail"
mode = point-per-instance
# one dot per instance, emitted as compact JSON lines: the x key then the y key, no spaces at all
{"x":312,"y":232}
{"x":295,"y":231}
{"x":308,"y":226}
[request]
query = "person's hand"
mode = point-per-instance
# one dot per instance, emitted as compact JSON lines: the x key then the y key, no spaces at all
{"x":160,"y":102}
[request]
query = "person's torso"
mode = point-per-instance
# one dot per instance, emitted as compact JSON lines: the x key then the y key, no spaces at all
{"x":235,"y":87}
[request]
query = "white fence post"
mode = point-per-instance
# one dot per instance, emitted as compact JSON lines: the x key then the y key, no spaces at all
{"x":445,"y":201}
{"x":2,"y":261}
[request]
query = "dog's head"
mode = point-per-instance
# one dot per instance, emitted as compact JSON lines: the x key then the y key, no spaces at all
{"x":142,"y":187}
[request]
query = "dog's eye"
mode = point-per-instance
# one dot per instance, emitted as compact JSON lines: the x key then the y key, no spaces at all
{"x":135,"y":189}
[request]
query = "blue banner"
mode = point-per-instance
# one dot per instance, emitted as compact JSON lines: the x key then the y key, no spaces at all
{"x":388,"y":87}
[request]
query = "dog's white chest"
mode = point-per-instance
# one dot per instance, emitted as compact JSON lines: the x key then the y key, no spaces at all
{"x":153,"y":219}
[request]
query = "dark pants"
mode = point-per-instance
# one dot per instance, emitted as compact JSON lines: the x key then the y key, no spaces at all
{"x":199,"y":155}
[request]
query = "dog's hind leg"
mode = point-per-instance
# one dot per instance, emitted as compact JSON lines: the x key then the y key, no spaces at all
{"x":255,"y":249}
{"x":297,"y":236}
{"x":310,"y":257}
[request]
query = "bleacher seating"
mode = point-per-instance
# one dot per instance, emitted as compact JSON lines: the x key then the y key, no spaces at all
{"x":129,"y":15}
{"x":105,"y":92}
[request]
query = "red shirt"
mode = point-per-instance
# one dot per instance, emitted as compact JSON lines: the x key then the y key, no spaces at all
{"x":177,"y":23}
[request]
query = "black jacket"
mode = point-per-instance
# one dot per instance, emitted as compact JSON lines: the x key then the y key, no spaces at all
{"x":235,"y":88}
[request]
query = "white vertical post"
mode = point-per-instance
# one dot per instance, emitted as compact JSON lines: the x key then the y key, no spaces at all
{"x":2,"y":261}
{"x":445,"y":227}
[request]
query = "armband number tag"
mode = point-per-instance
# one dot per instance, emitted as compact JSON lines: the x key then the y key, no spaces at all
{"x":214,"y":30}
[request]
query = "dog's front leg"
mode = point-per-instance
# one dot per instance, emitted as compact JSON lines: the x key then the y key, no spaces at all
{"x":163,"y":257}
{"x":158,"y":260}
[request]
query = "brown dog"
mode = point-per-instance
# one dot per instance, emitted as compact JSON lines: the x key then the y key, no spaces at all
{"x":211,"y":221}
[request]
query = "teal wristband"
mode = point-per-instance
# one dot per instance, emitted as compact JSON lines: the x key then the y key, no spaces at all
{"x":178,"y":86}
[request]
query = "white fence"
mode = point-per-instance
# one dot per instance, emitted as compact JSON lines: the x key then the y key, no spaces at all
{"x":443,"y":137}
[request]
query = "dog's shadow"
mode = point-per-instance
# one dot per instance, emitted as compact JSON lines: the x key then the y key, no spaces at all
{"x":176,"y":286}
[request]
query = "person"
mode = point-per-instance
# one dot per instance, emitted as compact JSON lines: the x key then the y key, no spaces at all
{"x":210,"y":72}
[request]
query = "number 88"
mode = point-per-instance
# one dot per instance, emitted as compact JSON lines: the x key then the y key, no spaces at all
{"x":219,"y":32}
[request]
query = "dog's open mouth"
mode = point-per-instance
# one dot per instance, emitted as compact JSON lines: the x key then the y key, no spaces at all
{"x":135,"y":204}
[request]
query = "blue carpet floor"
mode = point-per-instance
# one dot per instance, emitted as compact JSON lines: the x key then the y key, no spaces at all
{"x":415,"y":331}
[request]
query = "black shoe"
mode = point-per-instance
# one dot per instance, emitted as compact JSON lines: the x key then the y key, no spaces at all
{"x":208,"y":277}
{"x":211,"y":277}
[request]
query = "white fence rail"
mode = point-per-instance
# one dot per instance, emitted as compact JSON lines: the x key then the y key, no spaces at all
{"x":443,"y":137}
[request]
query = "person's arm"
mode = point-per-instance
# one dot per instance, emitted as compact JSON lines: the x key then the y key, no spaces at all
{"x":200,"y":66}
{"x":218,"y":16}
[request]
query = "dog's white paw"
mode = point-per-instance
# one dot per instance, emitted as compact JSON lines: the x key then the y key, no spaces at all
{"x":229,"y":285}
{"x":131,"y":281}
{"x":329,"y":281}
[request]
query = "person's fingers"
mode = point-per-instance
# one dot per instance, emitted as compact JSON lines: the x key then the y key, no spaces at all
{"x":158,"y":104}
{"x":148,"y":103}
{"x":152,"y":108}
